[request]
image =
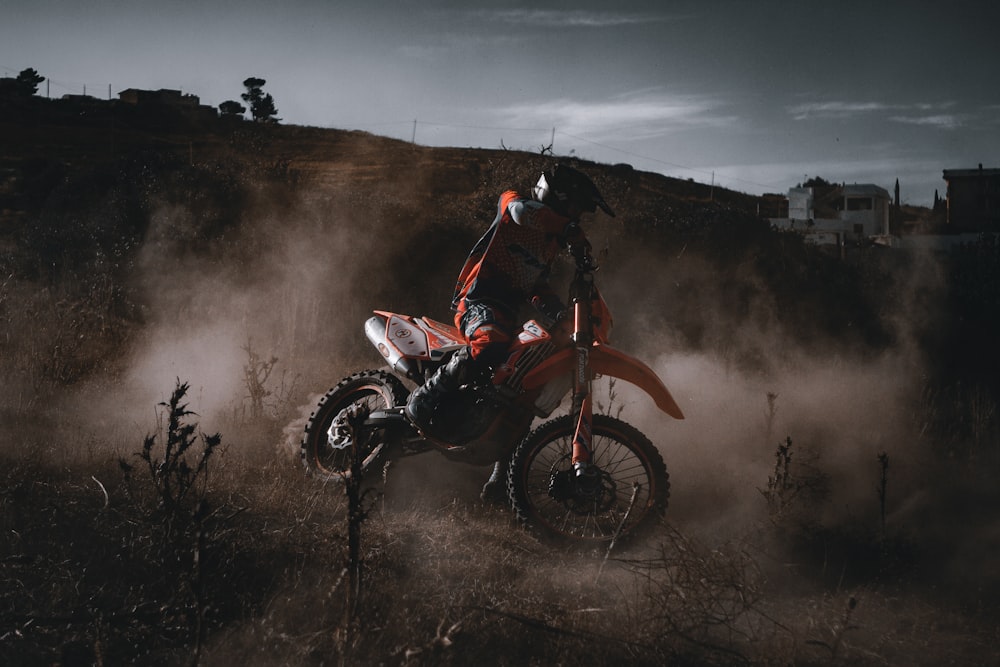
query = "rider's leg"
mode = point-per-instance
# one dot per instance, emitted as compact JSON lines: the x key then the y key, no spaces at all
{"x":495,"y":488}
{"x":487,"y":332}
{"x":420,"y":406}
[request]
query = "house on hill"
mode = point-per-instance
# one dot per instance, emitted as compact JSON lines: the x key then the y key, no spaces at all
{"x":973,"y":199}
{"x":838,"y":214}
{"x":9,"y":86}
{"x":164,"y":98}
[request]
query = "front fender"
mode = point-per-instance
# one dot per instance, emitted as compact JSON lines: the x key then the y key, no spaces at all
{"x":605,"y":360}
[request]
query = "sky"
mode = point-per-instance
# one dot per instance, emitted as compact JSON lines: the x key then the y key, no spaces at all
{"x":753,"y":96}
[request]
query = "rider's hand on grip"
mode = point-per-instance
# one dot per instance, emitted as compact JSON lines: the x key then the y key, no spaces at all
{"x":584,"y":260}
{"x":579,"y":247}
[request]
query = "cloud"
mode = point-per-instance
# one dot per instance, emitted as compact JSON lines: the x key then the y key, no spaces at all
{"x":641,"y":115}
{"x":922,"y":113}
{"x":548,"y":18}
{"x":834,"y":109}
{"x":933,"y":106}
{"x":942,"y":121}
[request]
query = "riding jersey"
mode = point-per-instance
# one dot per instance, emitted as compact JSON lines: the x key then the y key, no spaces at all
{"x":511,"y":263}
{"x":509,"y":266}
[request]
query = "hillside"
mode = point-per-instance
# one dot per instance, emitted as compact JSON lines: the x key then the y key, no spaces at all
{"x":832,"y":496}
{"x":83,"y":193}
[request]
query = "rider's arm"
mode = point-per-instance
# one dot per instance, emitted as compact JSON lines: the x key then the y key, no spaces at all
{"x":548,"y":303}
{"x":530,"y":213}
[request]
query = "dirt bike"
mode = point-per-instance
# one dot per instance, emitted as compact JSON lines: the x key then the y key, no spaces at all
{"x":581,"y":475}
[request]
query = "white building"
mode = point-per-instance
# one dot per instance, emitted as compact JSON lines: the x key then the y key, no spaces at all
{"x":838,"y":214}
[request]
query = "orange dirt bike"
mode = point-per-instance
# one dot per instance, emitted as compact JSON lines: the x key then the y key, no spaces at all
{"x":582,"y":475}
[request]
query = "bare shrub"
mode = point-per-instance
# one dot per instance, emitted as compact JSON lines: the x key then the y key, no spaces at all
{"x":700,"y":600}
{"x":256,"y":371}
{"x":962,"y":421}
{"x":796,"y":486}
{"x":264,"y":399}
{"x":179,"y":479}
{"x":179,"y":470}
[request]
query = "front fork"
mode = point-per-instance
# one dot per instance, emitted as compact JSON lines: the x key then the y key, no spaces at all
{"x":582,"y":399}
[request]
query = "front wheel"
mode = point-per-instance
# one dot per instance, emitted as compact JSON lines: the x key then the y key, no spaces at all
{"x":327,"y":445}
{"x":625,"y":491}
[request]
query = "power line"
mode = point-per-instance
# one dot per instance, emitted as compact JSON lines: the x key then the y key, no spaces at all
{"x":625,"y":152}
{"x":72,"y":86}
{"x":664,"y":162}
{"x":711,"y":174}
{"x":487,"y":127}
{"x":452,"y":125}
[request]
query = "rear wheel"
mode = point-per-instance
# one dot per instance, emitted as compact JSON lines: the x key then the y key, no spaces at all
{"x":624,"y":493}
{"x":327,"y":446}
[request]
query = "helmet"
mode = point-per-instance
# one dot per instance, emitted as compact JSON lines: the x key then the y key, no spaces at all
{"x":562,"y":187}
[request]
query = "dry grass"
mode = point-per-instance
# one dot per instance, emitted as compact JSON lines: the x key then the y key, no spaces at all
{"x":91,"y":577}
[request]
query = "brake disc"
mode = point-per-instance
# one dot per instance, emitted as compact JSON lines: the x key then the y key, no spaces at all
{"x":339,"y":435}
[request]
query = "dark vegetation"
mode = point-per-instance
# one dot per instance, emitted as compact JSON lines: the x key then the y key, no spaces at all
{"x":128,"y":543}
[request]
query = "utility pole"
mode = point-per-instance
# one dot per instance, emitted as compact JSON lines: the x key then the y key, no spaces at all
{"x":413,"y":139}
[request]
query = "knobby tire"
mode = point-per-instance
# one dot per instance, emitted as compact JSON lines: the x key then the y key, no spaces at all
{"x":374,"y":389}
{"x":625,"y":456}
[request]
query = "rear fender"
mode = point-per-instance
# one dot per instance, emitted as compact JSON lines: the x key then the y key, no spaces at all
{"x":408,"y":344}
{"x":605,"y":360}
{"x":403,"y":336}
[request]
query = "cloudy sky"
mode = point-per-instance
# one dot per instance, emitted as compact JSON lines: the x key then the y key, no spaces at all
{"x":754,"y":96}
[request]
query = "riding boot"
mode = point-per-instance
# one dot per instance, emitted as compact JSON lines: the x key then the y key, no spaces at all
{"x":422,"y":402}
{"x":495,"y":489}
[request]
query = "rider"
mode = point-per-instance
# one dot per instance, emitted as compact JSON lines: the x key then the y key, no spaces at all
{"x":507,"y":267}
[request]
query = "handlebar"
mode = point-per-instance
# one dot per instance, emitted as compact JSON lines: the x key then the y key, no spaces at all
{"x":578,"y":245}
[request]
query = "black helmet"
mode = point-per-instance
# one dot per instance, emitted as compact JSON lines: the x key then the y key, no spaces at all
{"x":563,"y":186}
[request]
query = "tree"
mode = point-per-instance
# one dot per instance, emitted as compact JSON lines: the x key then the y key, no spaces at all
{"x":28,"y":81}
{"x":262,"y":107}
{"x":231,"y":108}
{"x":817,"y":182}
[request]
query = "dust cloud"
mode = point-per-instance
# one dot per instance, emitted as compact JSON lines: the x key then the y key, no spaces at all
{"x":839,"y":417}
{"x":748,"y":383}
{"x":290,"y":286}
{"x":296,"y":283}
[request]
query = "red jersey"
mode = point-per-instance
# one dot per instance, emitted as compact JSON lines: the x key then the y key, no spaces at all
{"x":510,"y":264}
